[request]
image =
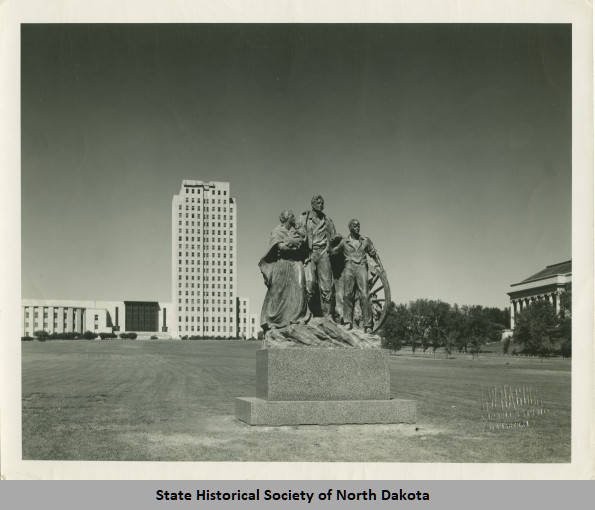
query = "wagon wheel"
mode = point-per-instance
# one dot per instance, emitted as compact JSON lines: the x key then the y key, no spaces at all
{"x":378,"y":293}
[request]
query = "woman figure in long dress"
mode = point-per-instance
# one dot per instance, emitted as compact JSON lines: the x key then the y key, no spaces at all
{"x":283,"y":271}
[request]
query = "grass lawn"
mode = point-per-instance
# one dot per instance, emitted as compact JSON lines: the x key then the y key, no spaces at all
{"x":174,"y":400}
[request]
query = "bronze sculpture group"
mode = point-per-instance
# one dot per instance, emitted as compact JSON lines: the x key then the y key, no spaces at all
{"x":311,"y":270}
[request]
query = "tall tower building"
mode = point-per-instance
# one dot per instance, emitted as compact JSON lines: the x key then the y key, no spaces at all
{"x":204,"y":260}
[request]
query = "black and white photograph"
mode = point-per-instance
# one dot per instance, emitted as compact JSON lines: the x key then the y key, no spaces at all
{"x":297,"y":242}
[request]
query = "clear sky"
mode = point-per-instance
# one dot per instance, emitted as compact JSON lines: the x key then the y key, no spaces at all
{"x":450,"y":143}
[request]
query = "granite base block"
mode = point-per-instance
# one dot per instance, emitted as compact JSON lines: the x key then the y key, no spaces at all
{"x":322,"y":374}
{"x":257,"y":411}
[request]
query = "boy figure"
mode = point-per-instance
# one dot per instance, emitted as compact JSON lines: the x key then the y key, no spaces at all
{"x":319,"y":230}
{"x":355,"y":275}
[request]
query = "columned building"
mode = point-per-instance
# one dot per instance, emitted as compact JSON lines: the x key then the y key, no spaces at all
{"x":204,"y":260}
{"x":547,"y":284}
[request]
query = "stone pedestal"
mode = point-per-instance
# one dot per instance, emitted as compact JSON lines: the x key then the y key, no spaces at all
{"x":322,"y":374}
{"x":323,"y":386}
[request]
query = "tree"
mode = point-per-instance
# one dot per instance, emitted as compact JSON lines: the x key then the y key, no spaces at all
{"x":506,"y":345}
{"x":438,"y":324}
{"x":536,"y":329}
{"x":435,"y":324}
{"x":41,"y":334}
{"x":395,"y":331}
{"x":480,"y":327}
{"x":455,"y":329}
{"x":462,"y":339}
{"x":497,"y":316}
{"x":475,"y":343}
{"x":565,"y":323}
{"x":420,"y":323}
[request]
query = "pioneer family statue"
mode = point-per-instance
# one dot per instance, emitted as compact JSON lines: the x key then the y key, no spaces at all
{"x":321,"y":361}
{"x":321,"y":288}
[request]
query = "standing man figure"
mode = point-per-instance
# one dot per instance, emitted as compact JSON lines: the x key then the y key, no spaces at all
{"x":355,"y":275}
{"x":319,"y":230}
